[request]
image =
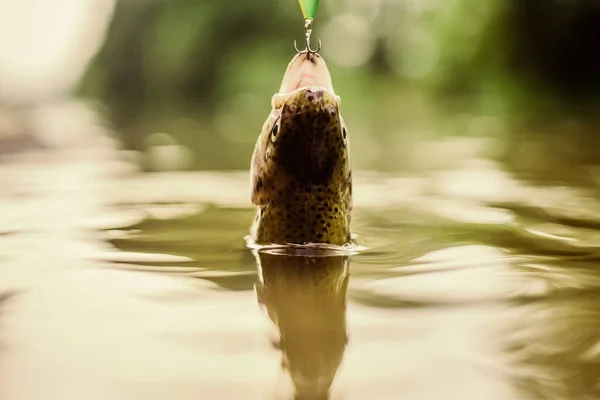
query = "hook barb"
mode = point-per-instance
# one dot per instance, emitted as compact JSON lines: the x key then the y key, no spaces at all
{"x":308,"y":49}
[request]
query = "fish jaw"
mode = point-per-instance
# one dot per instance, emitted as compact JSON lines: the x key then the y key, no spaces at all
{"x":306,"y":69}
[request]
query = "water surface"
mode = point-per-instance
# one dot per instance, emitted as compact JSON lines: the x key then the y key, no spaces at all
{"x":473,"y":284}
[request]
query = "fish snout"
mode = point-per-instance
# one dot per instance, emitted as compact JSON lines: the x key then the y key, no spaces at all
{"x":314,"y":95}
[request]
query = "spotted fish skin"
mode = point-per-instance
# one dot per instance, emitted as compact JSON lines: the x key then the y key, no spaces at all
{"x":300,"y":171}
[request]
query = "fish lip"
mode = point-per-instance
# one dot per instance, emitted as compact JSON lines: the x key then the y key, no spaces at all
{"x":320,"y":92}
{"x":317,"y":91}
{"x":310,"y":89}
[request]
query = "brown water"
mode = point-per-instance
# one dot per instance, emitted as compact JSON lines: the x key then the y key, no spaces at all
{"x":472,"y":284}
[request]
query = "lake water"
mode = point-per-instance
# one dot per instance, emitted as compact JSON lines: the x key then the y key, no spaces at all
{"x":471,"y":284}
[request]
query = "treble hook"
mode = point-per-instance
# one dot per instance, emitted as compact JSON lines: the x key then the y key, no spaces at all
{"x":308,"y":29}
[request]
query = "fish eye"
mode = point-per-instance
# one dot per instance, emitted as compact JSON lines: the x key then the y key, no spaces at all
{"x":274,"y":131}
{"x":344,"y":132}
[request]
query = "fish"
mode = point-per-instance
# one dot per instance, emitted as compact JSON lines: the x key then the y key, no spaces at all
{"x":300,"y":170}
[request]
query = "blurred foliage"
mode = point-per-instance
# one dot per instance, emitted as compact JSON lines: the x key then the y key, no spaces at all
{"x":204,"y":71}
{"x":512,"y":56}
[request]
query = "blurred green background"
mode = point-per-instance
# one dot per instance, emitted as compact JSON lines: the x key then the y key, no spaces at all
{"x":190,"y":81}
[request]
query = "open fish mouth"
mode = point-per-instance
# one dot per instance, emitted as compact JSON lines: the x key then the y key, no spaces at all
{"x":306,"y":80}
{"x":306,"y":69}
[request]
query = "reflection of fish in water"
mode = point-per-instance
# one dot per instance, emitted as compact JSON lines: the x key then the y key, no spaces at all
{"x":305,"y":297}
{"x":300,"y":170}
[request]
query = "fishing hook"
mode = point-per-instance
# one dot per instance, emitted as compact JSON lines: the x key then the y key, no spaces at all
{"x":308,"y":28}
{"x":308,"y":49}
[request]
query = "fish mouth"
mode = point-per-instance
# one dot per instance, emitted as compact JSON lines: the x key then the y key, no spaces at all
{"x":306,"y":81}
{"x":306,"y":70}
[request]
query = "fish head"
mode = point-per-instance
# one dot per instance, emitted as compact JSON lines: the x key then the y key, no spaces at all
{"x":304,"y":139}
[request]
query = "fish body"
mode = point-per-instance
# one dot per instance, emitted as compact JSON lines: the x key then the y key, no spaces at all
{"x":301,"y":177}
